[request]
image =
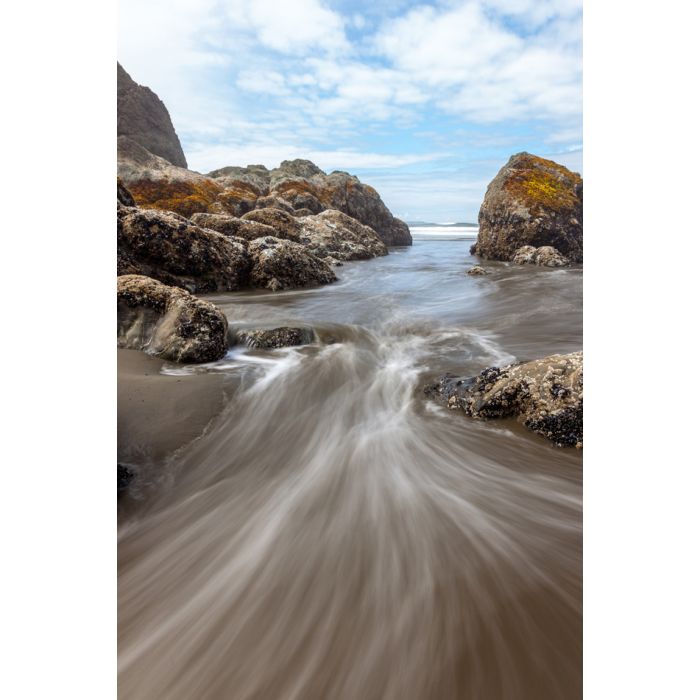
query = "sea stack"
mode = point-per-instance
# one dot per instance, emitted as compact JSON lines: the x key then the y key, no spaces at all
{"x":531,"y":202}
{"x":143,"y":118}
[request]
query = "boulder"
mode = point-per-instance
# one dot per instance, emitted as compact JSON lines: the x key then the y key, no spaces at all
{"x":334,"y":234}
{"x":168,"y":322}
{"x":547,"y":256}
{"x":525,"y":255}
{"x":233,"y":226}
{"x":531,"y":202}
{"x":143,"y":118}
{"x":546,"y":395}
{"x":476,"y":270}
{"x":284,"y":224}
{"x":175,"y":251}
{"x":282,"y":264}
{"x":275,"y":338}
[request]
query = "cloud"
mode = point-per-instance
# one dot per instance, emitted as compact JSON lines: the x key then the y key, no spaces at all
{"x":365,"y":85}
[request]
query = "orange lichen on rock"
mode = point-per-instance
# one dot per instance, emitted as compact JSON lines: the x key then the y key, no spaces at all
{"x":184,"y":197}
{"x":539,"y":182}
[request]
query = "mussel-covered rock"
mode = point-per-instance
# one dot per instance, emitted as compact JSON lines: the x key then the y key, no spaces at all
{"x":281,"y":264}
{"x":168,"y":322}
{"x":546,"y":395}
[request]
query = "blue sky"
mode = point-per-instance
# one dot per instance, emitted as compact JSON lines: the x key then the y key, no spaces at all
{"x":423,"y":100}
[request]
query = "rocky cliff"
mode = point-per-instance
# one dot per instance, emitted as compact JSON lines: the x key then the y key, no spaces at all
{"x":531,"y":202}
{"x":143,"y":118}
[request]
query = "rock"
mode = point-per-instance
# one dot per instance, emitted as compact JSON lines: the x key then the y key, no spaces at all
{"x":232,"y":226}
{"x":175,"y":251}
{"x":303,"y":212}
{"x":550,"y":257}
{"x":282,"y":264}
{"x":525,"y":255}
{"x":155,"y":183}
{"x":332,"y":262}
{"x":276,"y":337}
{"x":545,"y":256}
{"x":334,"y":234}
{"x":546,"y":395}
{"x":284,"y":224}
{"x":476,"y":270}
{"x":168,"y":322}
{"x":143,"y":118}
{"x":531,"y":202}
{"x":347,"y":194}
{"x":124,"y":477}
{"x":273,"y":202}
{"x":123,"y":195}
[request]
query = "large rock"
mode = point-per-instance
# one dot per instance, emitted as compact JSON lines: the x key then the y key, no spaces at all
{"x":531,"y":202}
{"x":332,"y":233}
{"x":142,"y":117}
{"x":175,"y":251}
{"x":304,"y":186}
{"x":156,"y":183}
{"x":546,"y":395}
{"x":282,"y":264}
{"x":168,"y":322}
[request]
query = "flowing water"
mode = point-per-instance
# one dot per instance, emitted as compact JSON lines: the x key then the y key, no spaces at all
{"x":334,"y":534}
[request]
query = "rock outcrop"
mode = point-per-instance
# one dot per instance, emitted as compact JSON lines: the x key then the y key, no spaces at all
{"x":297,"y":188}
{"x":175,"y":251}
{"x":282,"y":337}
{"x":545,"y":256}
{"x":476,"y":271}
{"x":546,"y":395}
{"x":168,"y":322}
{"x":531,"y":202}
{"x":143,"y":118}
{"x":282,"y":264}
{"x":334,"y":234}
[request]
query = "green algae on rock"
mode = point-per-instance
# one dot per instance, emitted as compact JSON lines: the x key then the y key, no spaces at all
{"x":168,"y":322}
{"x":531,"y":202}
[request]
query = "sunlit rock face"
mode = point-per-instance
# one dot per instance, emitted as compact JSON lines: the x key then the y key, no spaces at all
{"x":531,"y":202}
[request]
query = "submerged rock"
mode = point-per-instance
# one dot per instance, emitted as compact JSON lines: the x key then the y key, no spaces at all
{"x":339,"y":236}
{"x":546,"y":395}
{"x":545,"y":256}
{"x":282,"y":264}
{"x":284,"y":336}
{"x":531,"y":202}
{"x":175,"y":251}
{"x":168,"y":322}
{"x":476,"y":270}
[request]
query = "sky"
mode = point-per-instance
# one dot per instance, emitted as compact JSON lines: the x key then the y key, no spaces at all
{"x":425,"y":101}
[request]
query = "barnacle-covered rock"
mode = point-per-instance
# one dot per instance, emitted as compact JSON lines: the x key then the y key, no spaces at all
{"x":546,"y":395}
{"x":282,"y":264}
{"x":168,"y":322}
